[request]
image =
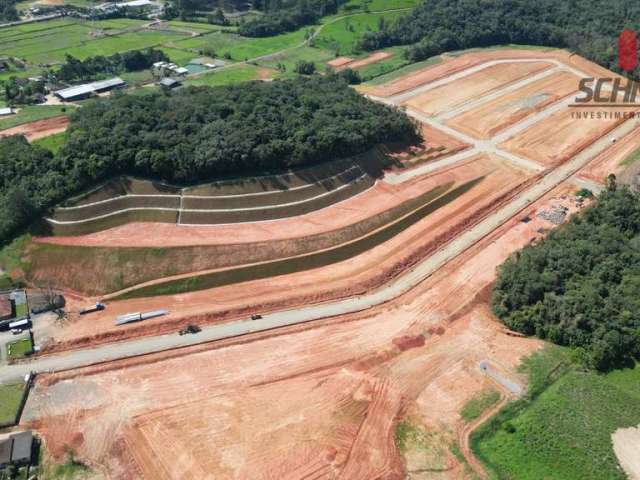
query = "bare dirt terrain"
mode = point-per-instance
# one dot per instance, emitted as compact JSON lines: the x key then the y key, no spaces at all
{"x":451,"y":65}
{"x":626,"y":444}
{"x":40,"y":129}
{"x":325,"y":397}
{"x":457,"y":92}
{"x":338,"y":280}
{"x":339,"y":63}
{"x":611,"y":160}
{"x":487,"y":120}
{"x":559,"y":137}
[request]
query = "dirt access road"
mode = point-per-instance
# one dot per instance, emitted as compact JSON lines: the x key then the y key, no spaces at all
{"x":306,"y":314}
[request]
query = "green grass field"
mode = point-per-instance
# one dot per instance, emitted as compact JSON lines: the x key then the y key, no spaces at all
{"x":563,"y":429}
{"x":342,"y":35}
{"x":48,"y":42}
{"x":34,"y":112}
{"x":19,"y":348}
{"x":53,"y":143}
{"x":10,"y":397}
{"x":227,"y":76}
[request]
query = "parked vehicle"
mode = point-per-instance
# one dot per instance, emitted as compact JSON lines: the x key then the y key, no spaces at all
{"x":256,"y":316}
{"x":190,"y":329}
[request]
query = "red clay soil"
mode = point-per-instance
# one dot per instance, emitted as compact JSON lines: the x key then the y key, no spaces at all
{"x":339,"y":62}
{"x":487,"y":120}
{"x":610,"y":160}
{"x":325,"y":397}
{"x":40,"y":129}
{"x":560,"y":136}
{"x":476,"y":85}
{"x":353,"y":276}
{"x":451,"y":65}
{"x":363,"y":62}
{"x":436,"y":145}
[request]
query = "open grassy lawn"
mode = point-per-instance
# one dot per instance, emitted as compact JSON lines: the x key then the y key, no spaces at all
{"x":19,"y":348}
{"x":342,"y":35}
{"x":10,"y":397}
{"x":242,"y":48}
{"x":34,"y":112}
{"x":306,"y":53}
{"x":564,"y":432}
{"x":227,"y":76}
{"x":48,"y":42}
{"x":53,"y":143}
{"x":377,"y":5}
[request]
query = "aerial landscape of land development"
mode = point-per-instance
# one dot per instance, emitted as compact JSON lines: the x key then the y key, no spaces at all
{"x":319,"y":239}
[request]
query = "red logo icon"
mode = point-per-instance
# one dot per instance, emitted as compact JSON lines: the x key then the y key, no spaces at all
{"x":628,"y":50}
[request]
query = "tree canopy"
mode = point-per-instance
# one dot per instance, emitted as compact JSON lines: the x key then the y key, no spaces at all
{"x":288,"y":15}
{"x":585,"y":26}
{"x":8,"y":12}
{"x":580,"y":287}
{"x":194,"y":135}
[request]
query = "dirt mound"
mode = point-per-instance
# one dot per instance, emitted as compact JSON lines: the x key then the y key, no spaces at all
{"x":39,"y":129}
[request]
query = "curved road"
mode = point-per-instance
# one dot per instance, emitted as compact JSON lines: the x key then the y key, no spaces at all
{"x":306,"y":314}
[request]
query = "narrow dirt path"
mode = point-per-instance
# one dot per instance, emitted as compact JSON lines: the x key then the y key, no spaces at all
{"x":464,"y":437}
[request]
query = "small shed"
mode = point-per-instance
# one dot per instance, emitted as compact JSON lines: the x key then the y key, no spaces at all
{"x":22,"y":445}
{"x":169,"y":82}
{"x":6,"y":111}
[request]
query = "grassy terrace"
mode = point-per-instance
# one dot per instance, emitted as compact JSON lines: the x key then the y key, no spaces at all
{"x":19,"y":348}
{"x":562,"y":430}
{"x":10,"y":397}
{"x":431,"y":201}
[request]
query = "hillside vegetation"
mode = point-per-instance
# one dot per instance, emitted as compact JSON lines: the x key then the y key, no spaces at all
{"x":437,"y":26}
{"x":580,"y":287}
{"x":192,"y":135}
{"x":561,"y":429}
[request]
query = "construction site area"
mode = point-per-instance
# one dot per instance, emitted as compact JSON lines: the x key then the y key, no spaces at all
{"x":333,"y":304}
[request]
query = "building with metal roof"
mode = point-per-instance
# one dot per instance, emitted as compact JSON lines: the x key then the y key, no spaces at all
{"x":16,"y":448}
{"x":6,"y":111}
{"x":169,"y":82}
{"x":80,"y":92}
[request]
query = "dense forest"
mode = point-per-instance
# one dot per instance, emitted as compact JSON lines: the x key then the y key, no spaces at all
{"x":93,"y":67}
{"x":8,"y":12}
{"x":581,"y":286}
{"x":194,"y":135}
{"x":288,"y":15}
{"x":587,"y":27}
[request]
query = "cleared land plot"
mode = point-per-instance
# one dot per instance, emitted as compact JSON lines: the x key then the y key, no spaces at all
{"x":332,"y":385}
{"x":39,"y":129}
{"x":436,"y":144}
{"x":354,"y":275}
{"x":488,"y":119}
{"x":614,"y":160}
{"x":560,"y":136}
{"x":412,"y":76}
{"x":475,"y":85}
{"x":363,"y":62}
